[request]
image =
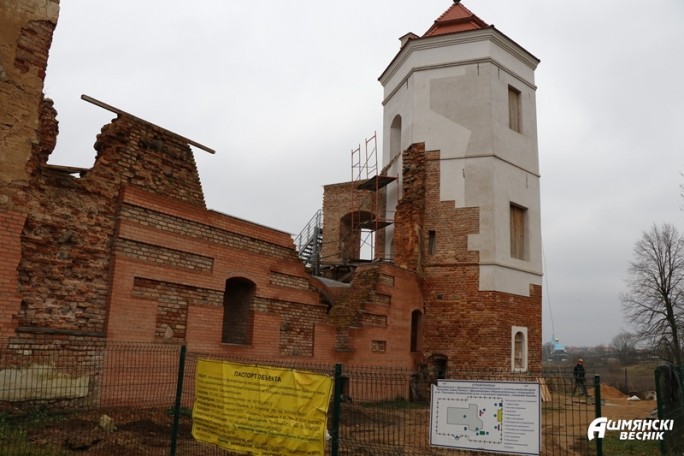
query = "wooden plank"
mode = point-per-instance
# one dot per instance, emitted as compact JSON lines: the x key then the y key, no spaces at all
{"x":124,"y":113}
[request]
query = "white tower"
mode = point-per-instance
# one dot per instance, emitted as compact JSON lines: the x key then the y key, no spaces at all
{"x":468,"y":91}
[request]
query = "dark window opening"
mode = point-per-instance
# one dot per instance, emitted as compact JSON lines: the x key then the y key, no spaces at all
{"x":438,"y":366}
{"x":514,"y":110}
{"x":356,"y":242}
{"x":237,"y":311}
{"x":416,"y":327}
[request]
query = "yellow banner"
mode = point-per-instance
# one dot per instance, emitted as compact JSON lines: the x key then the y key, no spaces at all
{"x":260,"y":410}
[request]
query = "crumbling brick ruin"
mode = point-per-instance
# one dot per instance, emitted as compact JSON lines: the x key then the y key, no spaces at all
{"x":127,"y":250}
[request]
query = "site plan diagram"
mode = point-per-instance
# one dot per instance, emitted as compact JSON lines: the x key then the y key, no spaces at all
{"x":488,"y":416}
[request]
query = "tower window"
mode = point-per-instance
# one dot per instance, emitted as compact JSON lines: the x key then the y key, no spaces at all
{"x":514,"y":110}
{"x":416,"y":328}
{"x":431,"y":242}
{"x":518,"y":216}
{"x":395,"y":136}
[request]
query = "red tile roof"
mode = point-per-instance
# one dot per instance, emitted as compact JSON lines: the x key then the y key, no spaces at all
{"x":457,"y":18}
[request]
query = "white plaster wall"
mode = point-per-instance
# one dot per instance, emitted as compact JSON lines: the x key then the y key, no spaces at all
{"x":492,"y":185}
{"x":458,"y":49}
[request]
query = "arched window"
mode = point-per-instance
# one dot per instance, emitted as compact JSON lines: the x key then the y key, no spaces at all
{"x":416,"y":329}
{"x":237,"y":311}
{"x":393,"y":192}
{"x":518,"y":349}
{"x":395,"y":137}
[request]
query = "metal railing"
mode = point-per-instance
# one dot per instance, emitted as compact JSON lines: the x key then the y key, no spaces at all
{"x":308,"y":242}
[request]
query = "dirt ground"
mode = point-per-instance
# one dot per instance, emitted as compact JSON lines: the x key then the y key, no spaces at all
{"x":565,"y":426}
{"x":147,"y":432}
{"x":138,"y":432}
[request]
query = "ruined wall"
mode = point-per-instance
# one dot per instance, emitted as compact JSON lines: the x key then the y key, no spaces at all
{"x":68,"y":236}
{"x":472,"y":328}
{"x":25,"y":38}
{"x":26,"y":29}
{"x":171,"y":262}
{"x":340,"y":244}
{"x":370,"y":322}
{"x":11,"y":225}
{"x":127,"y":251}
{"x":409,"y":221}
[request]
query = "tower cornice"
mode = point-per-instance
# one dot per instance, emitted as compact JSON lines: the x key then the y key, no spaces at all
{"x":466,"y":37}
{"x":462,"y":63}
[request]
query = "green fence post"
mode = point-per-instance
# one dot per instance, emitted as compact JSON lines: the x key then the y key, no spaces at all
{"x":597,"y":408}
{"x":179,"y":393}
{"x":659,"y":405}
{"x":337,"y":403}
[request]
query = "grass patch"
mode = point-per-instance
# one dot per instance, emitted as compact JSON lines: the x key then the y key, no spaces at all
{"x":14,"y":441}
{"x":613,"y":445}
{"x":14,"y":432}
{"x":16,"y":448}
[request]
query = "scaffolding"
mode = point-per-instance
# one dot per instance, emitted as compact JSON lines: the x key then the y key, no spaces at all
{"x":365,"y":188}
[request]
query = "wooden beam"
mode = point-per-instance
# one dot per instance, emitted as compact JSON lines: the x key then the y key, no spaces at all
{"x":124,"y":113}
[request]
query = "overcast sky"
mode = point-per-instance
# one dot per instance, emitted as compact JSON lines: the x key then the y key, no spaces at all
{"x":284,"y":90}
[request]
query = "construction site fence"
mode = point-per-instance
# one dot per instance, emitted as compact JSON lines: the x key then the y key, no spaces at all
{"x":137,"y":399}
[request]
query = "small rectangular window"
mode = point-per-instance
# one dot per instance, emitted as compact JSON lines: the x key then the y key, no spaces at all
{"x":431,"y":242}
{"x":519,"y":236}
{"x":514,"y":110}
{"x":378,"y":346}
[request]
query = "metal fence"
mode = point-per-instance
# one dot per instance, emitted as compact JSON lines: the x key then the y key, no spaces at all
{"x":130,"y":399}
{"x":670,"y":396}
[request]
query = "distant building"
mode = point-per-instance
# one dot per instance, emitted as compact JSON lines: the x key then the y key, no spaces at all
{"x":558,"y":353}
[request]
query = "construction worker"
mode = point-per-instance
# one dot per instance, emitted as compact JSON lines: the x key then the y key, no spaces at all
{"x":578,"y":374}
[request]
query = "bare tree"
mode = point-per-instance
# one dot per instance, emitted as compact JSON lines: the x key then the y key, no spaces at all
{"x":655,"y":301}
{"x":624,"y":345}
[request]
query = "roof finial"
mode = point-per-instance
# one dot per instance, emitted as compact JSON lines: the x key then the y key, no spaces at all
{"x":456,"y":2}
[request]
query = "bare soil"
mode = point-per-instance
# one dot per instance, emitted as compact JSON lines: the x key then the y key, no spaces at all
{"x":565,"y":427}
{"x":147,"y":432}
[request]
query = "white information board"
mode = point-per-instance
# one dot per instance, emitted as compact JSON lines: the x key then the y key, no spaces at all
{"x":502,"y":417}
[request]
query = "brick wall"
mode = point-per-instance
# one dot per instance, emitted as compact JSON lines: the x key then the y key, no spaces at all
{"x":68,"y":236}
{"x":409,"y":221}
{"x":149,"y":287}
{"x":11,"y":224}
{"x":341,"y":242}
{"x":63,"y":275}
{"x":471,"y":328}
{"x":382,"y":324}
{"x":161,"y":255}
{"x":25,"y":38}
{"x":138,"y":153}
